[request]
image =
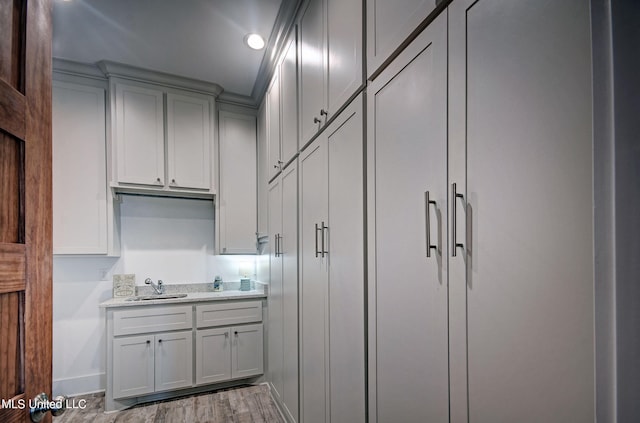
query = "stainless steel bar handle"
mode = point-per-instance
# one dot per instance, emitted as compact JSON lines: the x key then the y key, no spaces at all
{"x":323,"y":235}
{"x":279,"y":247}
{"x":317,"y":229}
{"x":427,"y":202}
{"x":454,"y":197}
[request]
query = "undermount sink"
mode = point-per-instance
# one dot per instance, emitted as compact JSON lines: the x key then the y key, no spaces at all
{"x":156,"y":297}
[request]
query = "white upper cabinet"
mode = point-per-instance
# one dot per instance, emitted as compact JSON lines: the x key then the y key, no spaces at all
{"x":389,"y":23}
{"x":139,"y":134}
{"x":163,"y":139}
{"x":273,"y":125}
{"x":312,"y":65}
{"x":188,"y":141}
{"x":330,"y":61}
{"x":237,"y":193}
{"x":289,"y":102}
{"x":83,"y":213}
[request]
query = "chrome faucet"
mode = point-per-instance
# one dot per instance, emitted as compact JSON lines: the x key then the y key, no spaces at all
{"x":159,"y":288}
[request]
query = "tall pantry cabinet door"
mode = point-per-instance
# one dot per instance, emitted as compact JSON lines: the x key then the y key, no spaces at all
{"x":139,"y":134}
{"x":289,"y":257}
{"x":407,"y":151}
{"x":313,"y":281}
{"x":273,"y":124}
{"x":312,"y":63}
{"x":189,"y":141}
{"x":520,"y":105}
{"x":275,"y":288}
{"x":345,"y":239}
{"x":344,"y":51}
{"x":289,"y":100}
{"x":389,"y":22}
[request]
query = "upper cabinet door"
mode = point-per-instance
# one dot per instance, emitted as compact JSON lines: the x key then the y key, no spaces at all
{"x":273,"y":124}
{"x":344,"y":49}
{"x":79,"y":161}
{"x":289,"y":102}
{"x":312,"y":65}
{"x":139,"y":135}
{"x":237,"y":188}
{"x":188,"y":141}
{"x":389,"y":23}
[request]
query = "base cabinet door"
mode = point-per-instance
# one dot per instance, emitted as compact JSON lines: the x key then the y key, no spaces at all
{"x":133,"y":366}
{"x":247,"y":351}
{"x":213,"y":355}
{"x":173,"y":360}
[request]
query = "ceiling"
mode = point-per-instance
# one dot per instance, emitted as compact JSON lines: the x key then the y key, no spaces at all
{"x":200,"y":39}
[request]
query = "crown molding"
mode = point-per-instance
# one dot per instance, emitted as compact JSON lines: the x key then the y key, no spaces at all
{"x":85,"y":70}
{"x":285,"y":21}
{"x":236,"y":100}
{"x":121,"y":70}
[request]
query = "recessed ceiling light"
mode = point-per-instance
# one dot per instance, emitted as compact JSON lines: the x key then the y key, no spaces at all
{"x":254,"y":41}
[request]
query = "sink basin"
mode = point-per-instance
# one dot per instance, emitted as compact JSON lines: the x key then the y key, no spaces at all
{"x":156,"y":297}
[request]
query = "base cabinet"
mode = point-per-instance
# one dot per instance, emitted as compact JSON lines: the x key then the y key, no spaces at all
{"x":228,"y":353}
{"x":152,"y":363}
{"x":156,"y":349}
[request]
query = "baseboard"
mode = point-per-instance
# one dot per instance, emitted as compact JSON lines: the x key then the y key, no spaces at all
{"x":281,"y":408}
{"x":79,"y":385}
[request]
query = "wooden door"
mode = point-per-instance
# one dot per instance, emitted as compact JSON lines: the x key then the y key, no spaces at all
{"x":133,"y":366}
{"x":521,"y":137}
{"x":345,"y":238}
{"x":407,"y":137}
{"x":213,"y":355}
{"x":25,"y":205}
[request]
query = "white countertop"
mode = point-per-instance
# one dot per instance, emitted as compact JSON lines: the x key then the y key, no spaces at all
{"x":190,"y":298}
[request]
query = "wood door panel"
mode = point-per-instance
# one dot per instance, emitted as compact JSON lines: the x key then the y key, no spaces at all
{"x":12,"y":187}
{"x":11,"y":333}
{"x":12,"y":42}
{"x":25,"y":210}
{"x":12,"y":110}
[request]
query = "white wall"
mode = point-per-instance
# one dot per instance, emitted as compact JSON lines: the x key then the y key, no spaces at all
{"x":162,"y":238}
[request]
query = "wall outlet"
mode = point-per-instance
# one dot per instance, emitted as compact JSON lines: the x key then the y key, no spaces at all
{"x":103,"y":274}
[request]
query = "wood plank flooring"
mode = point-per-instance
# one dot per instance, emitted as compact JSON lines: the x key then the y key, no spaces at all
{"x":241,"y":405}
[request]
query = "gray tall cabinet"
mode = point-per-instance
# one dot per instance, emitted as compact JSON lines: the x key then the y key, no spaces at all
{"x":480,"y":219}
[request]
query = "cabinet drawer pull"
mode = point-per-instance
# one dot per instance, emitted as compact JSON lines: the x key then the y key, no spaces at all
{"x":454,"y":197}
{"x":324,"y":228}
{"x":235,"y":333}
{"x":317,"y":229}
{"x":427,"y":202}
{"x":148,"y":342}
{"x":158,"y":180}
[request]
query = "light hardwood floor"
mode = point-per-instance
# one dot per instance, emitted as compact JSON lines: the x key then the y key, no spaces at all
{"x":241,"y":405}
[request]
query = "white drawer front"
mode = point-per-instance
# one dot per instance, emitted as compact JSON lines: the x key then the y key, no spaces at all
{"x":231,"y":313}
{"x":152,"y":319}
